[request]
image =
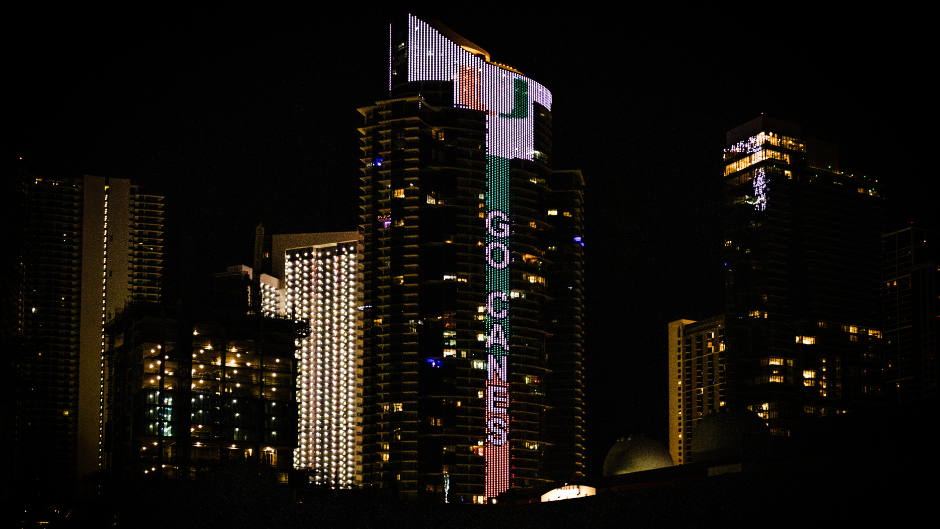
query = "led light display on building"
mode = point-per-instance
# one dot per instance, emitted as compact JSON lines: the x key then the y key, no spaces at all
{"x":322,"y":290}
{"x":507,"y":98}
{"x":760,"y":189}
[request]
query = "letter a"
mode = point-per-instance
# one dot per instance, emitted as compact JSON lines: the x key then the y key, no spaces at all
{"x":497,"y":337}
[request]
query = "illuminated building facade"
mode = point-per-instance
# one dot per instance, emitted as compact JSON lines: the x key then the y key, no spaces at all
{"x":911,"y":313}
{"x":802,"y":263}
{"x":191,"y":393}
{"x":323,"y":290}
{"x":460,"y":362}
{"x":94,"y":244}
{"x":697,"y":379}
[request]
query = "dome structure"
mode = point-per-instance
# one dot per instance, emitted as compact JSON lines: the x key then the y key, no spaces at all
{"x":635,"y":454}
{"x":721,"y":434}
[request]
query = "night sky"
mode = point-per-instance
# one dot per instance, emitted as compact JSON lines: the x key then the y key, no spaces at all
{"x":246,"y":116}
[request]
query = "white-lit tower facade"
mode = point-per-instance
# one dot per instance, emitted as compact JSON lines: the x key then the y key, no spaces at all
{"x":270,"y":295}
{"x":322,"y":290}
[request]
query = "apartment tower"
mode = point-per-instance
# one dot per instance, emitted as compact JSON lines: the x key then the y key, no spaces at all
{"x":323,"y":291}
{"x":802,"y":268}
{"x":697,"y":379}
{"x":93,"y":245}
{"x":472,"y":277}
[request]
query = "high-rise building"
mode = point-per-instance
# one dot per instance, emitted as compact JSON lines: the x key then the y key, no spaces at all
{"x":323,"y":290}
{"x":697,"y":379}
{"x":910,"y":300}
{"x":472,"y":275}
{"x":803,"y":263}
{"x":93,"y":245}
{"x":192,"y":391}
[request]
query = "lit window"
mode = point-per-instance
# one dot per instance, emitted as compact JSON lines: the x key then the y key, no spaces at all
{"x":532,"y":278}
{"x":396,"y":406}
{"x":399,"y":193}
{"x":553,"y":212}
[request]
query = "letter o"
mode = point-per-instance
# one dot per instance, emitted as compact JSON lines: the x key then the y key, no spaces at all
{"x":504,"y":257}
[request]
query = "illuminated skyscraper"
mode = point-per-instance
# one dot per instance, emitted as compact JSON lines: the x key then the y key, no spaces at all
{"x":472,"y":270}
{"x":94,"y":244}
{"x":803,"y":263}
{"x":323,"y":290}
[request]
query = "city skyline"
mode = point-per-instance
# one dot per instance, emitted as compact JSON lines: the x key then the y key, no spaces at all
{"x":242,"y":119}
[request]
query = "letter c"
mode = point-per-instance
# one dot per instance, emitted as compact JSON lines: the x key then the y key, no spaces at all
{"x":491,"y":304}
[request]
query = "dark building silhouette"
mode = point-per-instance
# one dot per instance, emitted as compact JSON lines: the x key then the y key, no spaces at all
{"x":802,"y":258}
{"x":473,"y":254}
{"x":89,"y":246}
{"x":909,"y":296}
